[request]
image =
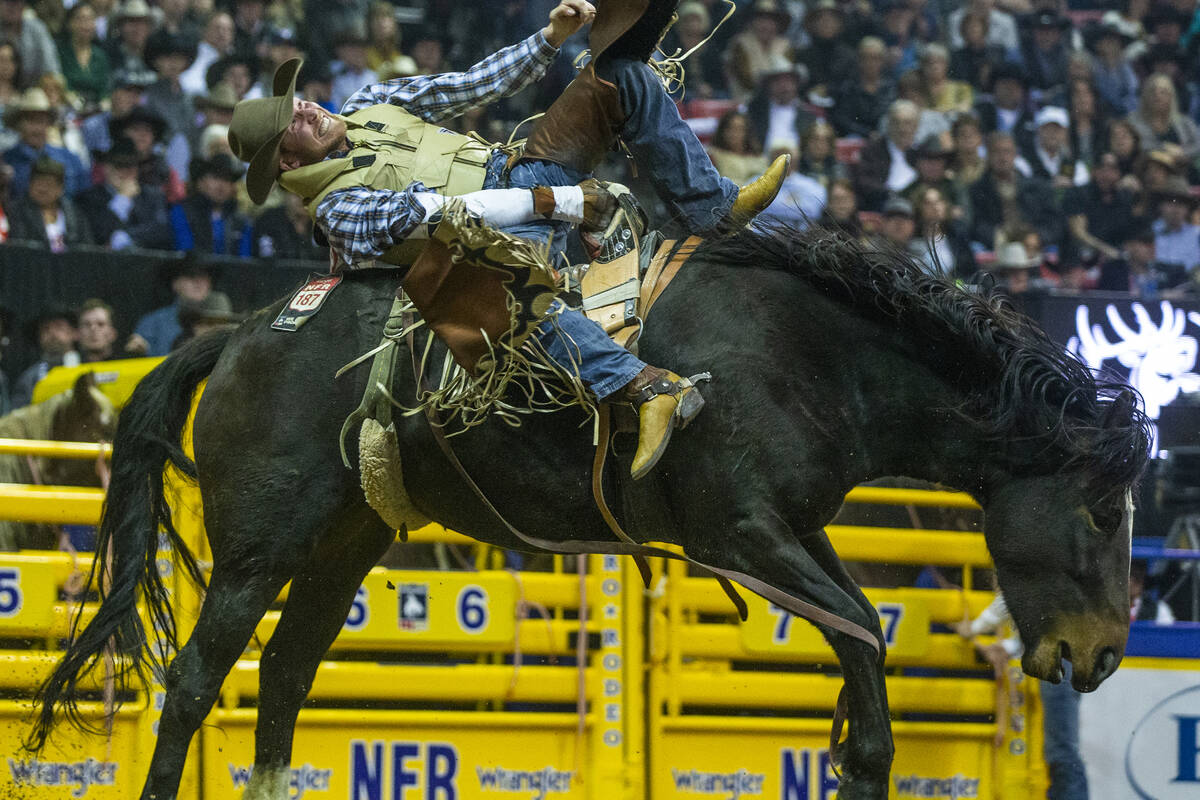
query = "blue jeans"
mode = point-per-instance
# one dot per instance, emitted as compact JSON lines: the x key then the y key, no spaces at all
{"x":1060,"y":730}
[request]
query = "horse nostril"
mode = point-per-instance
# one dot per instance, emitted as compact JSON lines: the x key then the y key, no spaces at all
{"x":1106,"y":665}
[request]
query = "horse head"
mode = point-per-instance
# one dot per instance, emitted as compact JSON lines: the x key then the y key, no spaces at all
{"x":86,"y":415}
{"x":1061,"y":544}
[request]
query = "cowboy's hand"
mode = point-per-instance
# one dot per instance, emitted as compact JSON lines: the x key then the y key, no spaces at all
{"x":566,"y":18}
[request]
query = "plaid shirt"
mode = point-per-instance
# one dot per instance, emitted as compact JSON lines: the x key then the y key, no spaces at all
{"x":362,"y":222}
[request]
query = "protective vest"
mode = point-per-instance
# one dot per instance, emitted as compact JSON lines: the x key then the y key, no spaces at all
{"x":389,"y":149}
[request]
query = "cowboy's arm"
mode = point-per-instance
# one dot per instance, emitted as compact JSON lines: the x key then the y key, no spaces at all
{"x":438,"y":97}
{"x":363,"y":223}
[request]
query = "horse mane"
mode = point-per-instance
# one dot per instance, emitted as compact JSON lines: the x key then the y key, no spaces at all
{"x":1020,"y":387}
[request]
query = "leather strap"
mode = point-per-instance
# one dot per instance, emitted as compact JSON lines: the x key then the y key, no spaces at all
{"x":665,"y":251}
{"x":670,"y":271}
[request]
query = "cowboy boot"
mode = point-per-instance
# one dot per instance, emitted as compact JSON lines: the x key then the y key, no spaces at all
{"x":664,"y":402}
{"x":755,"y":196}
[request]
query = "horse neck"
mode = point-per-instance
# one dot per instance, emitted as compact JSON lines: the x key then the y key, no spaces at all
{"x":35,"y":421}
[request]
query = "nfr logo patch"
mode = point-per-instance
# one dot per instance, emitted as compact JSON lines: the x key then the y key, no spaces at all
{"x":413,"y":606}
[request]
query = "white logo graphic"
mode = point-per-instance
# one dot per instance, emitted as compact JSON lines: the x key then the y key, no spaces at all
{"x":1160,"y":356}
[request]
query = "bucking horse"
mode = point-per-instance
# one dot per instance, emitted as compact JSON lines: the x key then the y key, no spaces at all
{"x":832,"y":364}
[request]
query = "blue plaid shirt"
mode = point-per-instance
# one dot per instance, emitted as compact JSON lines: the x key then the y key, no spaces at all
{"x":362,"y":222}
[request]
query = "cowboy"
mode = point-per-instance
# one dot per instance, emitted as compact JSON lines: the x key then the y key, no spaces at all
{"x":377,"y":196}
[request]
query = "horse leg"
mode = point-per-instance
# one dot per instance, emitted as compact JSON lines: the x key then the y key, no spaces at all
{"x":771,"y":554}
{"x":318,"y":601}
{"x":236,"y":600}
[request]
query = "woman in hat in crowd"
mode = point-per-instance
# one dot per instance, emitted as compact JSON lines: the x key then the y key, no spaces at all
{"x":146,"y":128}
{"x":941,"y":92}
{"x":735,"y":148}
{"x":46,"y":215}
{"x":762,"y":44}
{"x":1176,"y":239}
{"x":818,"y":154}
{"x":704,"y":73}
{"x":1114,"y":78}
{"x":84,"y":62}
{"x":134,"y":22}
{"x":1159,"y":121}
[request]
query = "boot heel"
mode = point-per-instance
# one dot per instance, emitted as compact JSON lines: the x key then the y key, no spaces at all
{"x":688,"y":408}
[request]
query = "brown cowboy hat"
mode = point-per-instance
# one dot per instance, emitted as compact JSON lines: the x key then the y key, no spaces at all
{"x":257,"y":129}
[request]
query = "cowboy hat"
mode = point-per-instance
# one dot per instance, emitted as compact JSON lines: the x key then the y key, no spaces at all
{"x":1012,"y":256}
{"x":1176,"y":188}
{"x":220,"y":98}
{"x":216,"y":307}
{"x":32,"y":101}
{"x":138,"y":115}
{"x":257,"y":129}
{"x":134,"y":9}
{"x":1110,"y":25}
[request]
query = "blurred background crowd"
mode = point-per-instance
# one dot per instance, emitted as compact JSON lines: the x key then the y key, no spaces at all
{"x":1050,"y":143}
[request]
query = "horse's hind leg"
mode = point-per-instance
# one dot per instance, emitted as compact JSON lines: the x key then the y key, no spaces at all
{"x":318,"y":601}
{"x":801,"y":566}
{"x":236,"y":600}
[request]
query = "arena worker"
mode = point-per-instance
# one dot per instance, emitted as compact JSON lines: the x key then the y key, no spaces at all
{"x":378,"y":174}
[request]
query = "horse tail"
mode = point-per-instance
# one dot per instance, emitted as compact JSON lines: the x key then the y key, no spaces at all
{"x":126,"y":564}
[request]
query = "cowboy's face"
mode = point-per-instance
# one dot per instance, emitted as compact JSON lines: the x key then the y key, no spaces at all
{"x":313,"y":134}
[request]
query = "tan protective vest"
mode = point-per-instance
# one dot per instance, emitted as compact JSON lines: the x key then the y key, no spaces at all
{"x":391,"y":148}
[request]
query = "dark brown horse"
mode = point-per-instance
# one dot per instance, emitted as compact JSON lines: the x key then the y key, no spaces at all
{"x":832,"y":365}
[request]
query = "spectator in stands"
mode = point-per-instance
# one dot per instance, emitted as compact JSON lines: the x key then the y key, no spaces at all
{"x":818,"y":155}
{"x":97,"y":331}
{"x":383,"y":49}
{"x":34,"y":45}
{"x":929,"y":122}
{"x":967,"y":162}
{"x":128,"y":91}
{"x":429,"y":53}
{"x":898,"y":226}
{"x":1004,"y":197}
{"x":1050,"y":157}
{"x":931,"y":159}
{"x":214,"y":108}
{"x":1001,"y":27}
{"x":127,"y":50}
{"x":705,"y":77}
{"x":1098,"y":214}
{"x":883,"y":165}
{"x":1114,"y":78}
{"x":208,"y":220}
{"x":941,"y":240}
{"x":250,"y":28}
{"x":1126,"y":144}
{"x":975,"y":60}
{"x":336,"y":15}
{"x":32,"y":117}
{"x":121,"y":211}
{"x":861,"y":100}
{"x":10,"y":87}
{"x":1008,"y":110}
{"x":170,"y":54}
{"x":155,"y":332}
{"x":777,"y":111}
{"x":1048,"y":51}
{"x":350,"y":70}
{"x":1138,"y":271}
{"x":1159,"y":121}
{"x":899,"y":34}
{"x":1086,"y":138}
{"x":941,"y":93}
{"x":841,"y":209}
{"x":65,"y":130}
{"x":735,"y":148}
{"x":179,"y":18}
{"x":286,"y":231}
{"x":46,"y":215}
{"x":800,"y":197}
{"x":239,"y":72}
{"x":762,"y":45}
{"x":283,"y":45}
{"x":84,"y":62}
{"x":55,"y":333}
{"x":1176,"y":239}
{"x":1144,"y":608}
{"x":216,"y":43}
{"x":827,"y":57}
{"x":146,"y":130}
{"x":1015,"y":269}
{"x":199,"y":317}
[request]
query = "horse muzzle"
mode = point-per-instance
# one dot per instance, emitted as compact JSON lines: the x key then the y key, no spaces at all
{"x":1094,"y":649}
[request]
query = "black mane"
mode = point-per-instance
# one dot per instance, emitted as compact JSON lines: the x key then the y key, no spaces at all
{"x":1019,"y":385}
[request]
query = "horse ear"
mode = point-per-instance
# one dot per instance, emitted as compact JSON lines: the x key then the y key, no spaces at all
{"x":81,"y":393}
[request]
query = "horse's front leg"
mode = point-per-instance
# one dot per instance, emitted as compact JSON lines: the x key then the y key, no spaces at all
{"x":801,"y":566}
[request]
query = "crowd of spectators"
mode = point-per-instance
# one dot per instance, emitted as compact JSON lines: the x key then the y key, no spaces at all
{"x":955,"y":130}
